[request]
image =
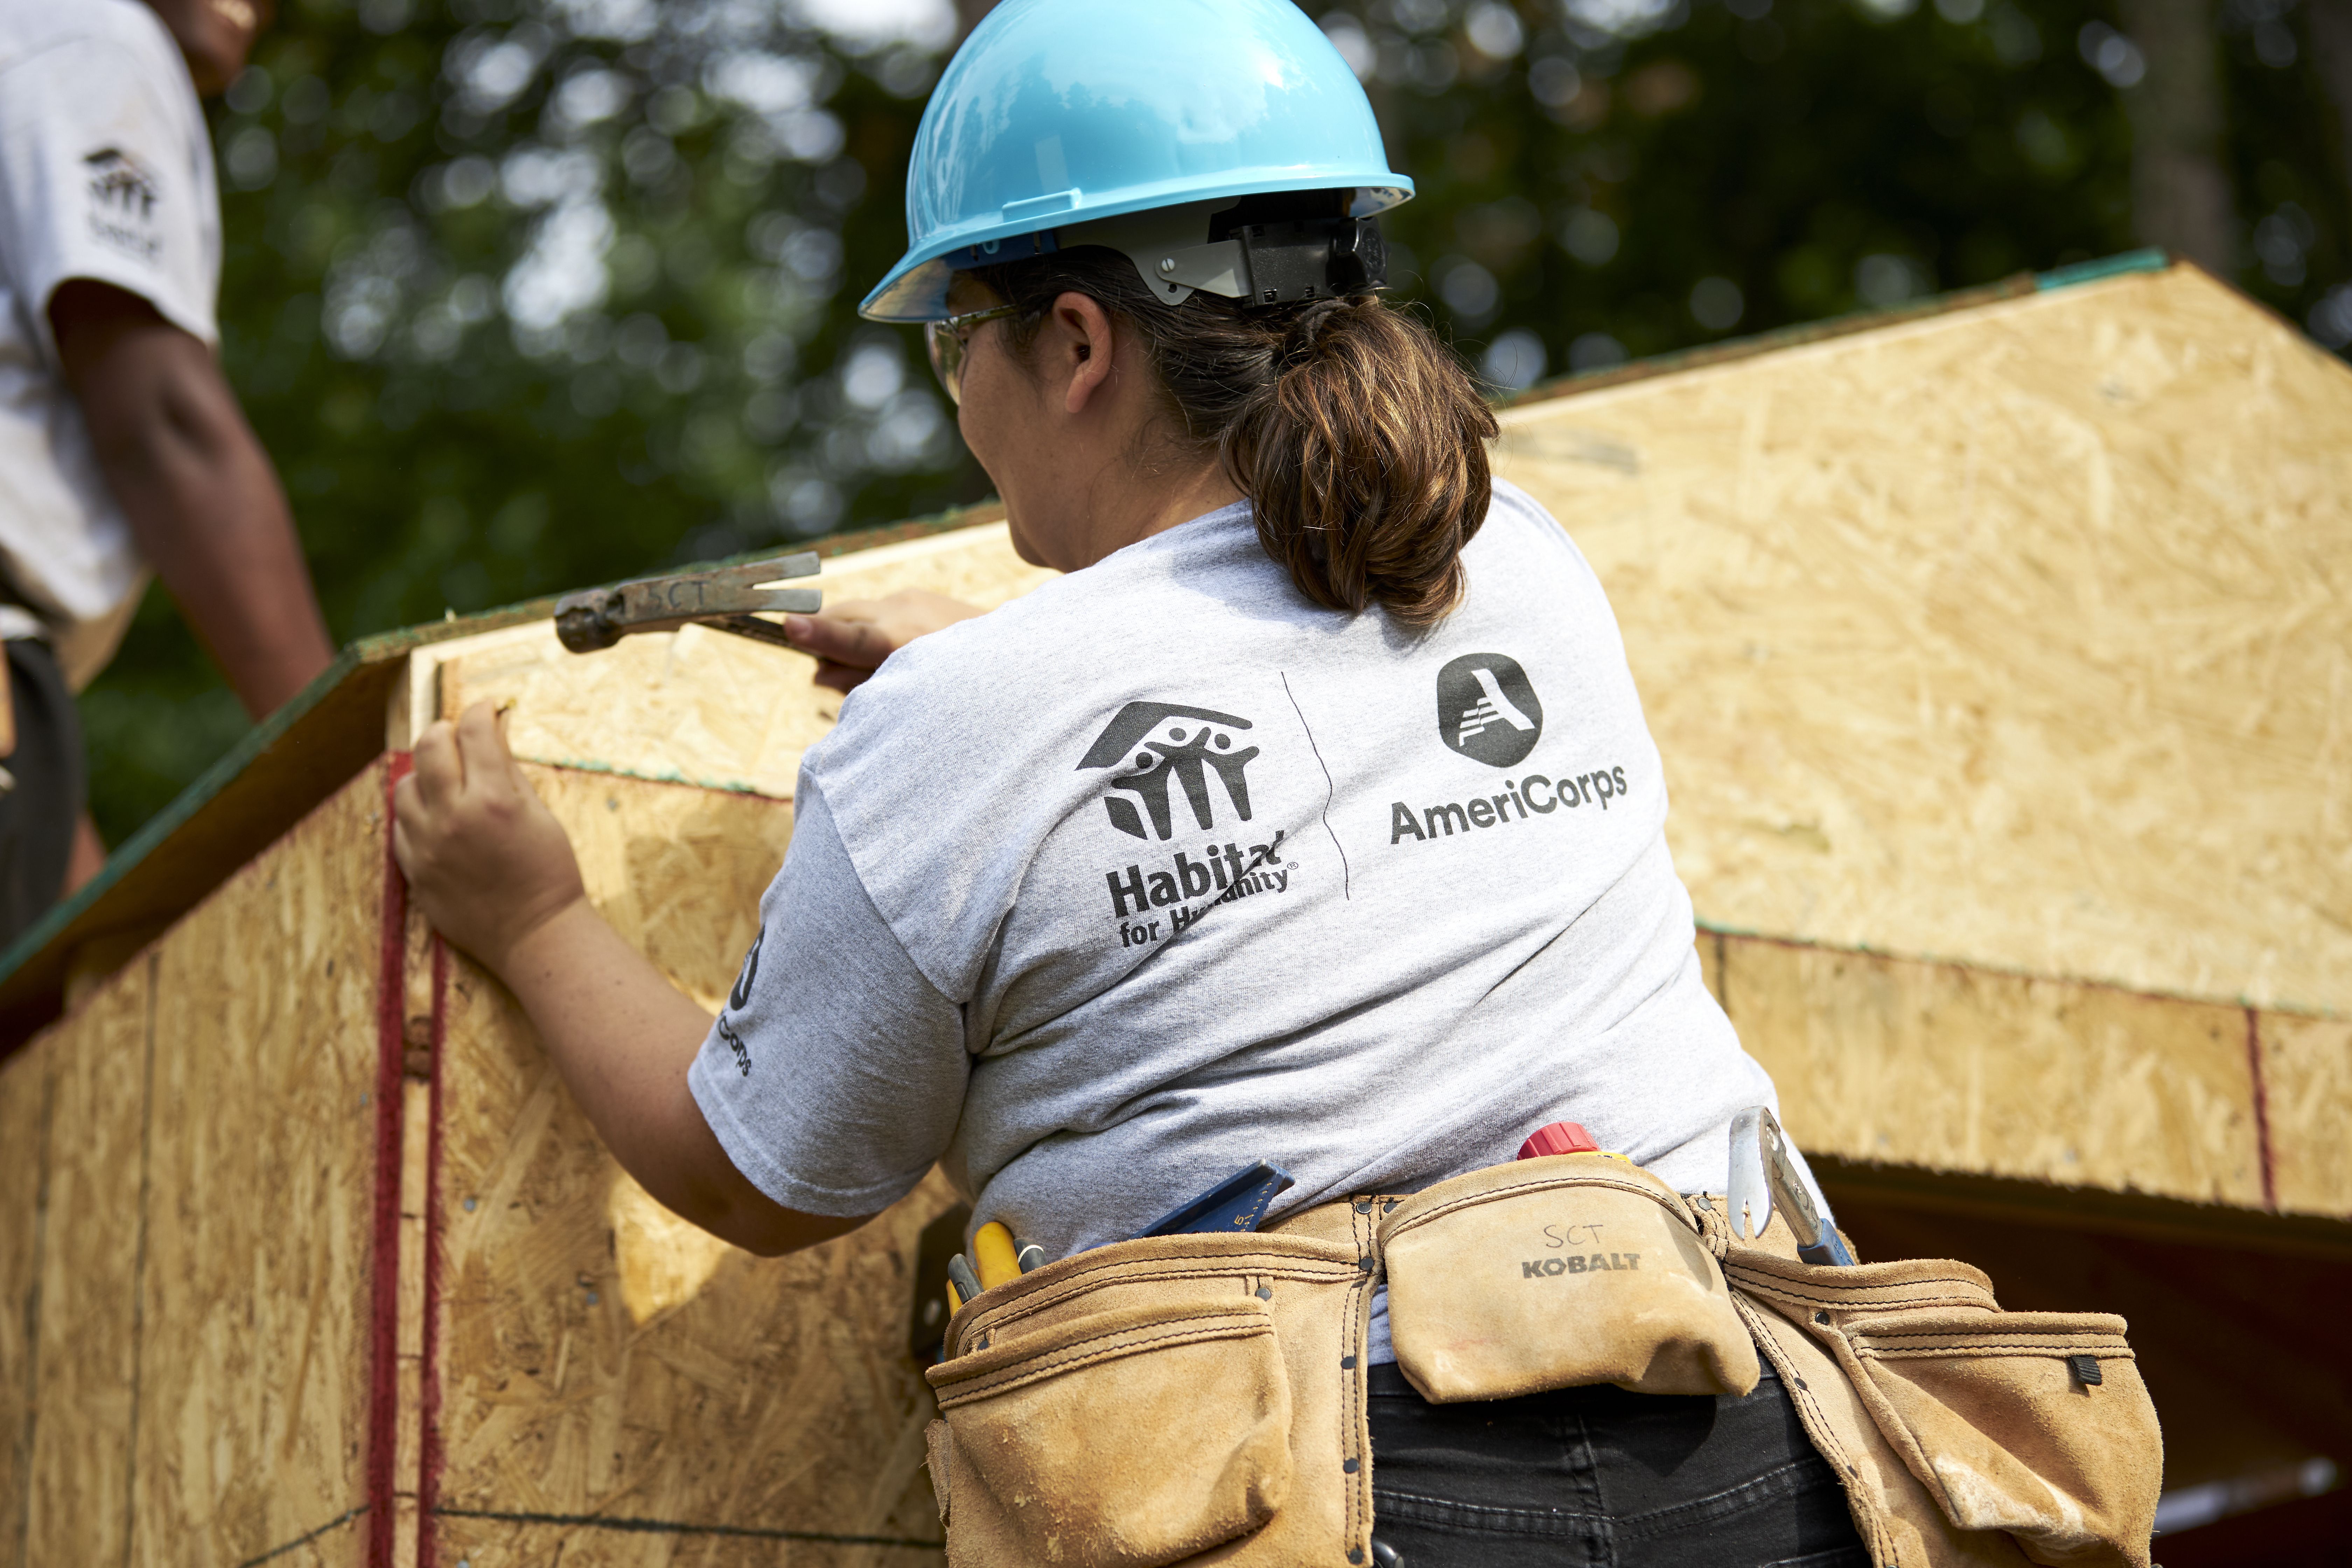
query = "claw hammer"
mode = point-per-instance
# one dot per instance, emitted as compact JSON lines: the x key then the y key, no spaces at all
{"x":722,"y":599}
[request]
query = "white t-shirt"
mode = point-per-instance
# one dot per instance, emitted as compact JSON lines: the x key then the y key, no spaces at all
{"x":106,"y":173}
{"x":1162,"y":869}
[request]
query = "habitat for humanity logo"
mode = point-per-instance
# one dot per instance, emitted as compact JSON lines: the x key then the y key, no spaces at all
{"x":122,"y":197}
{"x":1171,"y":745}
{"x":1486,"y":709}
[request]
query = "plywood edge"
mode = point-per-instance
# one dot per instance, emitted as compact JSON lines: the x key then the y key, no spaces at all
{"x":694,"y":707}
{"x":1960,"y":310}
{"x":319,"y":742}
{"x":2265,"y":1007}
{"x":305,"y":752}
{"x":426,"y":695}
{"x":2144,"y":1216}
{"x":1738,"y":351}
{"x":1862,"y":1014}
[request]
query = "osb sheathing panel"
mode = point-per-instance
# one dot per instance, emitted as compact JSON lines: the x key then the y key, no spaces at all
{"x":479,"y":1540}
{"x":24,"y":1123}
{"x":2021,"y":636}
{"x":72,"y":1251}
{"x":601,"y":1357}
{"x":701,"y":706}
{"x":253,"y":1353}
{"x":2307,"y":1076}
{"x":1958,"y":1069}
{"x":194,"y":1349}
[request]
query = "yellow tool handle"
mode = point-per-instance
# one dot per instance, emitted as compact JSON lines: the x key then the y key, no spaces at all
{"x":993,"y":1256}
{"x":955,"y":1302}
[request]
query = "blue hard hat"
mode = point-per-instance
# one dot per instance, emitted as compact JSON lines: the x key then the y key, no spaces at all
{"x":1060,"y":112}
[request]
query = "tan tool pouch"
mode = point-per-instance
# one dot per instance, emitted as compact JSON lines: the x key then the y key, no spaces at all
{"x":1149,"y":1401}
{"x":1555,"y":1273}
{"x":2026,"y":1427}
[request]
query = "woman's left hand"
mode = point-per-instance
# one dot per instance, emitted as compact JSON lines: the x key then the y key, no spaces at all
{"x":485,"y":860}
{"x":852,"y":638}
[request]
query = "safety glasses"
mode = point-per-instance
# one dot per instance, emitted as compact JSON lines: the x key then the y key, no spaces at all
{"x":948,"y":338}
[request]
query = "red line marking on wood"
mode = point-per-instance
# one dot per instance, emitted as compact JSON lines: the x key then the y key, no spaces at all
{"x":428,"y":1482}
{"x":383,"y":1327}
{"x":2261,"y":1105}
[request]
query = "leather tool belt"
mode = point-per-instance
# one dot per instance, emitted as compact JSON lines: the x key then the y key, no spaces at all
{"x":1151,"y":1401}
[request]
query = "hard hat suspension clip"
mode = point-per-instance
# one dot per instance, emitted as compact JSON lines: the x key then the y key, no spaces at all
{"x":1276,"y":261}
{"x":1318,"y":259}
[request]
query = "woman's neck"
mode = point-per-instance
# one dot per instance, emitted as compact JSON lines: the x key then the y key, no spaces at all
{"x":1120,"y":504}
{"x":1158,"y":505}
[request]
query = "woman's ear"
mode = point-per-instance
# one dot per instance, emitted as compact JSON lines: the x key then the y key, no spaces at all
{"x":1084,"y":348}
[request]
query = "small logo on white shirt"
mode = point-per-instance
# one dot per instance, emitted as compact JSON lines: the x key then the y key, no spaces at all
{"x":1486,"y":709}
{"x":122,"y":198}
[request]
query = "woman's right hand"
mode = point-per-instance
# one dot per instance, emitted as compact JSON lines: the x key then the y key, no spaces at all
{"x":486,"y":862}
{"x":851,"y":639}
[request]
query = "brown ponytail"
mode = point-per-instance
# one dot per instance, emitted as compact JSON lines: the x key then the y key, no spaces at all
{"x":1358,"y":437}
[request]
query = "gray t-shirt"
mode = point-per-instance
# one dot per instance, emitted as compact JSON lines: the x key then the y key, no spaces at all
{"x":1162,"y":869}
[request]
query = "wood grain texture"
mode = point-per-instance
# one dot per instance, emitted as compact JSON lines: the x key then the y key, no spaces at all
{"x":597,"y":1361}
{"x":2020,"y":634}
{"x":2307,"y":1076}
{"x":254,"y":1367}
{"x":700,"y":705}
{"x":478,"y":1541}
{"x":1899,"y":1062}
{"x":85,"y":1351}
{"x":25,"y":1091}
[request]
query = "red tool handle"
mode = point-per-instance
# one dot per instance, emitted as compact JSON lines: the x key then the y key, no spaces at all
{"x":1560,"y":1138}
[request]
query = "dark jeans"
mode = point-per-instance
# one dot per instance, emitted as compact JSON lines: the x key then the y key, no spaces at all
{"x":1604,"y":1477}
{"x":36,"y":815}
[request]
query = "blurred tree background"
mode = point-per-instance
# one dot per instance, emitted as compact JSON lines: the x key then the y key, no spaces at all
{"x":527,"y":294}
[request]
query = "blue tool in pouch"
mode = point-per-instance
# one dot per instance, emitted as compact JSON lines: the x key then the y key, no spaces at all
{"x":1236,"y":1203}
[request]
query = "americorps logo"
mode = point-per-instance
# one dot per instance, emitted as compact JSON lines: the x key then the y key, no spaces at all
{"x":1486,"y":709}
{"x":1169,"y":745}
{"x":739,"y":999}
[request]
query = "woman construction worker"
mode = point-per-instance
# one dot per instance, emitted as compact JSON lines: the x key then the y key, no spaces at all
{"x":1309,"y":821}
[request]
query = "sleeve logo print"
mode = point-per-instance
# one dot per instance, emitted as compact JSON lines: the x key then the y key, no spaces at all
{"x":1486,"y":709}
{"x":739,"y":999}
{"x":122,"y":198}
{"x":1169,"y":745}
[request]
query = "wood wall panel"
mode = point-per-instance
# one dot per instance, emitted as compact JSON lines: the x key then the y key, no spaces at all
{"x":479,"y":1540}
{"x":254,"y":1354}
{"x":1925,"y":1064}
{"x":2017,"y":636}
{"x":599,"y":1356}
{"x":86,"y":1350}
{"x":2308,"y":1080}
{"x":24,"y":1138}
{"x":701,"y":706}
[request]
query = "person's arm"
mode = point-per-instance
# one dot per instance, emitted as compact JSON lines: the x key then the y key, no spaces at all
{"x":491,"y":868}
{"x":201,"y":497}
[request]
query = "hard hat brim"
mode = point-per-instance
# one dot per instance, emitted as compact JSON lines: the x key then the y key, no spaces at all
{"x":916,"y":289}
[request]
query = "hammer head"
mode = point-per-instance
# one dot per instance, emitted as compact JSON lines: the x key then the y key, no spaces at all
{"x":588,"y":621}
{"x":726,"y":597}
